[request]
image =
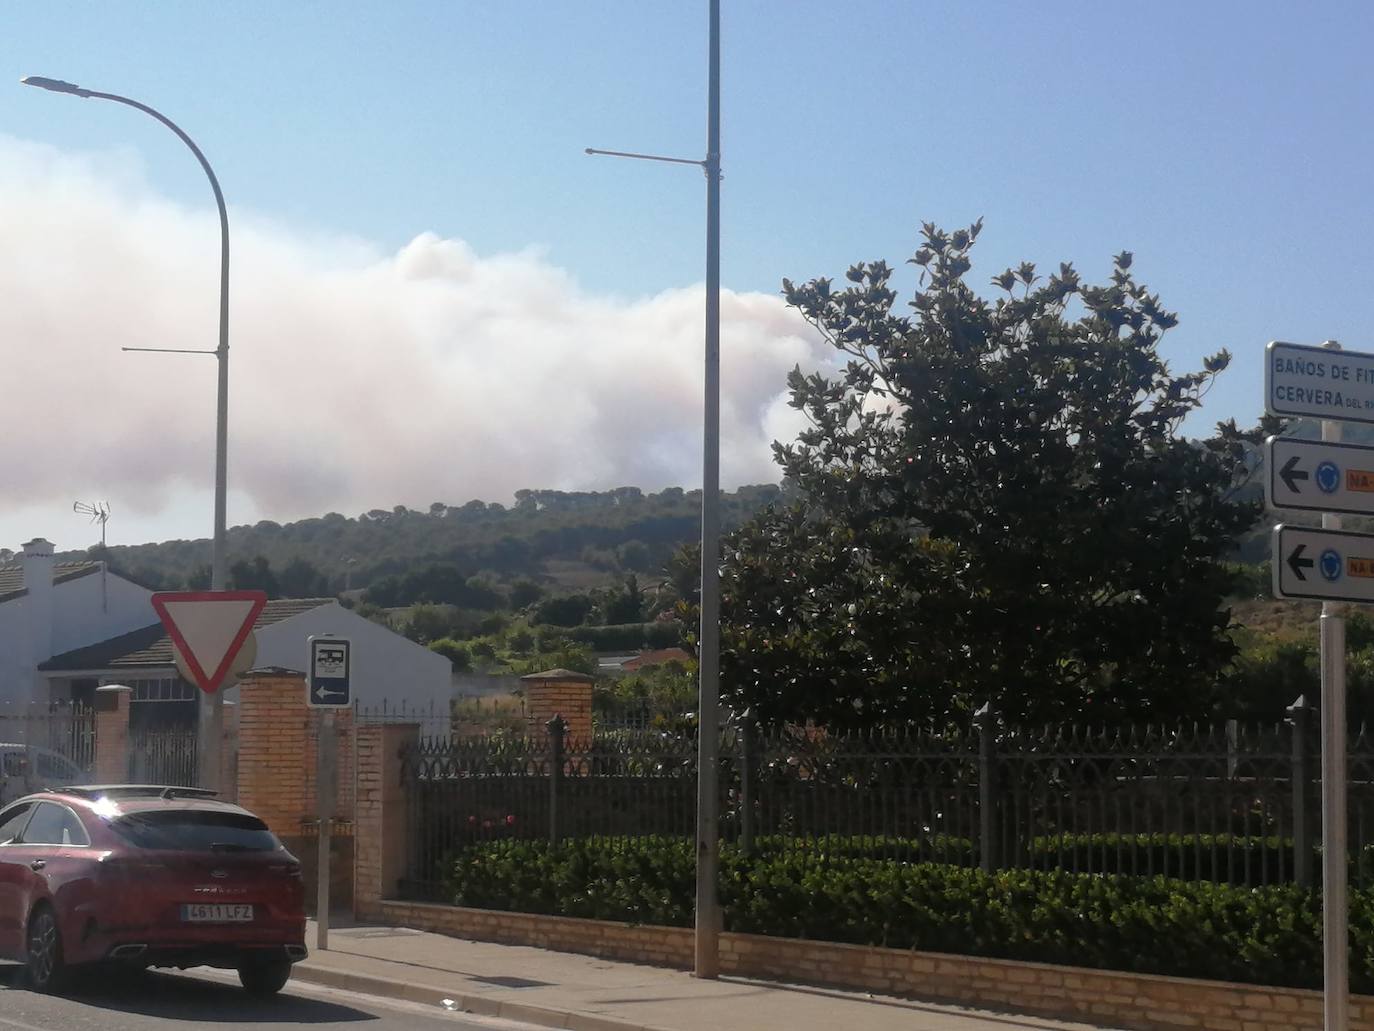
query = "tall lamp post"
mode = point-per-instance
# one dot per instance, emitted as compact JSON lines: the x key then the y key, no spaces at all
{"x":708,"y":917}
{"x":212,"y":705}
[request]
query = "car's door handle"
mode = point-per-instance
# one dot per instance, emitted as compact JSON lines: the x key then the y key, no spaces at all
{"x":37,"y":864}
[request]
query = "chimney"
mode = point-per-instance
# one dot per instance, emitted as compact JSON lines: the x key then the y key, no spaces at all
{"x":37,"y":561}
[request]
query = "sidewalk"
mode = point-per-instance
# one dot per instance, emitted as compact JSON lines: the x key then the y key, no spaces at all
{"x":582,"y":993}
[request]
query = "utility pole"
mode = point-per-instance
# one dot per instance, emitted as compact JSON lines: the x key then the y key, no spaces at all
{"x":708,"y":916}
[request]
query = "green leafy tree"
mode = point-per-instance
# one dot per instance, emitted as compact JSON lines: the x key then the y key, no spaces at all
{"x":426,"y":623}
{"x":668,"y":689}
{"x":300,"y":578}
{"x":520,"y":641}
{"x":994,"y":504}
{"x":635,"y":555}
{"x":567,"y":610}
{"x":456,"y":652}
{"x":256,"y":575}
{"x":626,"y":605}
{"x":524,"y":593}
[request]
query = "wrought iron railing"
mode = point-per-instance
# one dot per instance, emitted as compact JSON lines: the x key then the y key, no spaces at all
{"x":44,"y":745}
{"x":1230,"y":803}
{"x":163,"y":755}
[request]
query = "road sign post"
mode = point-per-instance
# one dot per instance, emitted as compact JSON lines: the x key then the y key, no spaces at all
{"x":212,"y":638}
{"x":327,"y":768}
{"x":328,"y":687}
{"x":1335,"y":902}
{"x":1328,"y":384}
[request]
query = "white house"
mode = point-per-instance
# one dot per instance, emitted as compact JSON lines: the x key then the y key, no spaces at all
{"x":48,"y":607}
{"x":387,"y":668}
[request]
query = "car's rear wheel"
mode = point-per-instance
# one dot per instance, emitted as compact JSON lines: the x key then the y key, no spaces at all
{"x":46,"y":968}
{"x":264,"y":977}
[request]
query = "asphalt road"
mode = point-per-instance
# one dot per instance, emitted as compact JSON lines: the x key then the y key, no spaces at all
{"x":160,"y":1001}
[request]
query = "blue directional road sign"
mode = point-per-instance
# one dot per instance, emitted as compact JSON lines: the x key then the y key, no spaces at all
{"x":1324,"y":565}
{"x":330,"y":684}
{"x":1319,"y":476}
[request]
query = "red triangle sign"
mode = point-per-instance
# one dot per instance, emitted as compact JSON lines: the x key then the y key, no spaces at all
{"x":208,"y":628}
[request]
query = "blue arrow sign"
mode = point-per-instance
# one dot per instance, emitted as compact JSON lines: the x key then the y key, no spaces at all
{"x":330,"y":683}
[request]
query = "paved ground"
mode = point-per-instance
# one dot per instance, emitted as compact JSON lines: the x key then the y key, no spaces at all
{"x":556,"y":989}
{"x":160,"y":1002}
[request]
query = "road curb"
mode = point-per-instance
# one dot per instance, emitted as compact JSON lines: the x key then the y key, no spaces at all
{"x":466,"y":1002}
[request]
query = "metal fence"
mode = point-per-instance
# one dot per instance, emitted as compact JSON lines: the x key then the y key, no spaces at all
{"x":1231,"y":803}
{"x":163,"y":755}
{"x":44,"y":745}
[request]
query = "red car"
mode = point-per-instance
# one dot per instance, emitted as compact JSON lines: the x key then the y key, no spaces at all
{"x":146,"y":876}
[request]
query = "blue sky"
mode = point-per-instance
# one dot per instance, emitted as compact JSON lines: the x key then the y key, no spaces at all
{"x":1226,"y":144}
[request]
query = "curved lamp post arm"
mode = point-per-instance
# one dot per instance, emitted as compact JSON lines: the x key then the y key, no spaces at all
{"x":209,"y":174}
{"x":218,"y":555}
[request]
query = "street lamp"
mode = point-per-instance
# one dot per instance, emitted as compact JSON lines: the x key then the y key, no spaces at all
{"x":708,"y":919}
{"x":212,"y":706}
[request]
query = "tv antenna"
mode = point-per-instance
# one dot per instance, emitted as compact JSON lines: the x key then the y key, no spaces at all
{"x":99,"y":511}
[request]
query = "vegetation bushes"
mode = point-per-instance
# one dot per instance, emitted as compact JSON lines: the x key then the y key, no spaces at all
{"x":628,"y":637}
{"x":1157,"y":925}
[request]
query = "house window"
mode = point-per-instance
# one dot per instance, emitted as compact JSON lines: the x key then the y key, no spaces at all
{"x":163,"y":689}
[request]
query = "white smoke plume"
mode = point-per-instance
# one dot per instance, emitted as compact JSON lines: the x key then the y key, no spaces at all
{"x":357,"y":379}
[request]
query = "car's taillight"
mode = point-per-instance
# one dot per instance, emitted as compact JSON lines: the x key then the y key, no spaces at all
{"x":291,"y":870}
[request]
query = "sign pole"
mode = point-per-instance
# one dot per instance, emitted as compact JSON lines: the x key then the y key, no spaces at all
{"x":326,"y":767}
{"x":328,"y":686}
{"x":706,"y":940}
{"x":1335,"y":903}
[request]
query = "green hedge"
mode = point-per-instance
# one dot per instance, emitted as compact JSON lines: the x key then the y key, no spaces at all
{"x":628,"y":636}
{"x":1156,"y":925}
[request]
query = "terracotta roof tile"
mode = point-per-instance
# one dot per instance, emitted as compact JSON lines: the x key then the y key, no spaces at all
{"x":151,"y":647}
{"x":12,"y":576}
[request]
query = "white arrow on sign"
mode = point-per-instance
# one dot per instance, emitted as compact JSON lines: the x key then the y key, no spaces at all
{"x":1324,"y":565}
{"x":1318,"y":383}
{"x":1319,"y":476}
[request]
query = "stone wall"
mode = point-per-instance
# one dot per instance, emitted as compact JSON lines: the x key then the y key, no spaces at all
{"x":1139,"y":1001}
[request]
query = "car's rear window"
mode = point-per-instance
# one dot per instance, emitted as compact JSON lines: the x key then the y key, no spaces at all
{"x":182,"y":830}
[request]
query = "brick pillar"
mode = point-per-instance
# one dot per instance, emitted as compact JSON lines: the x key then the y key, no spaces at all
{"x":381,"y":836}
{"x":559,"y":692}
{"x":112,"y":734}
{"x":276,"y":750}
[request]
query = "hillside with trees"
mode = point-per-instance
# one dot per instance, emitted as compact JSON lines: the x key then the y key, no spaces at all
{"x":478,"y":555}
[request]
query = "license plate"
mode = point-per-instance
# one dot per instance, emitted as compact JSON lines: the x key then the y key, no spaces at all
{"x":216,"y":913}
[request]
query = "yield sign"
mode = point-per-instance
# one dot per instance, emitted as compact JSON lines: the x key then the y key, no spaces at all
{"x":208,"y":628}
